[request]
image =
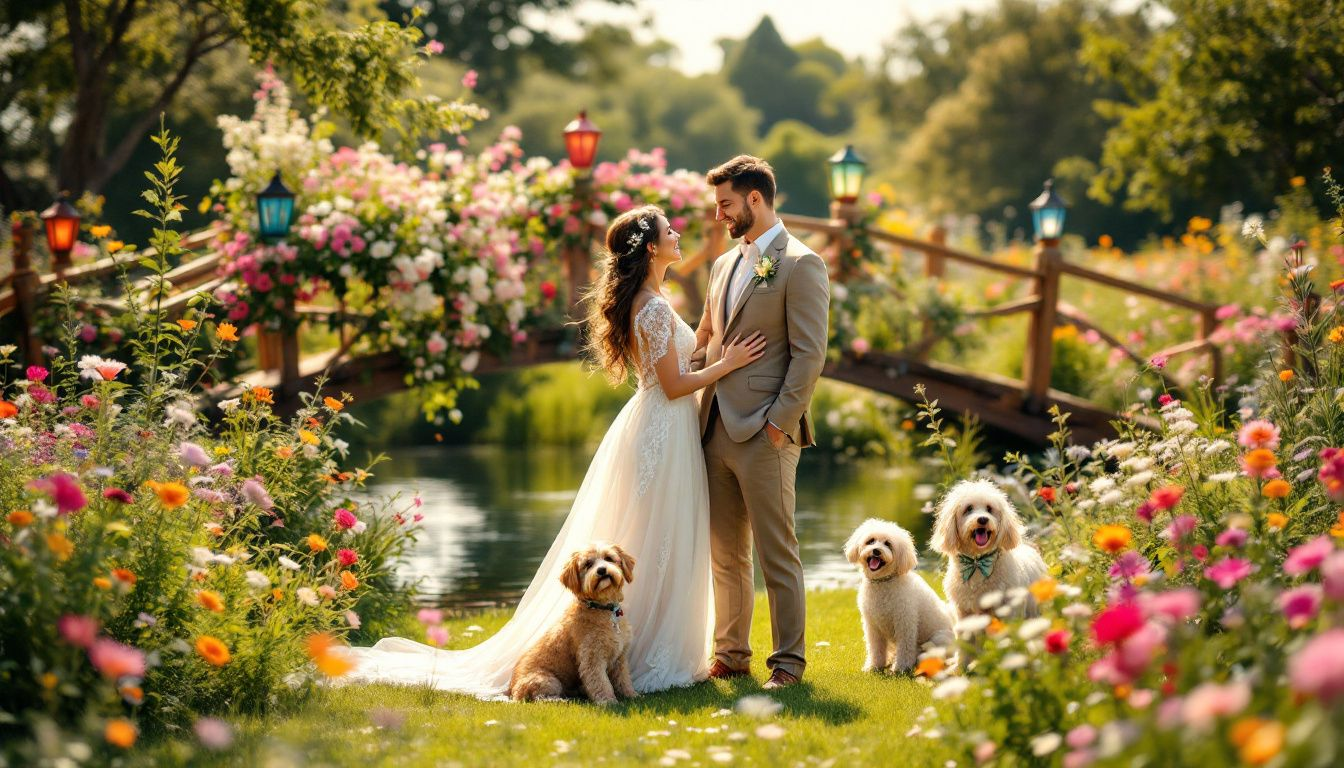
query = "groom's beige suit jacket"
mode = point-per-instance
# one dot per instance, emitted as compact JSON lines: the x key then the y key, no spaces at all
{"x":791,"y":310}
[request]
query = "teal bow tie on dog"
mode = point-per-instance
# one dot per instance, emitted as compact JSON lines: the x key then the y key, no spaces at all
{"x":969,"y":565}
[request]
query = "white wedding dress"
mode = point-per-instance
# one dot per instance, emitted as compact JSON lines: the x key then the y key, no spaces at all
{"x":646,"y":491}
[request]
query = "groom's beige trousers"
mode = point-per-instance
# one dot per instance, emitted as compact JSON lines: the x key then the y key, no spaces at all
{"x":751,"y":495}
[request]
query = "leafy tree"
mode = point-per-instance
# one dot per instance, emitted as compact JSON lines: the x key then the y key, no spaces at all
{"x":84,"y":66}
{"x":798,"y":153}
{"x":785,"y":83}
{"x":1228,"y":100}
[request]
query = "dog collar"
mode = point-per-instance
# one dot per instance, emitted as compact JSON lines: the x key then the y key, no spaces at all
{"x":615,"y":608}
{"x":969,"y":565}
{"x":884,"y":578}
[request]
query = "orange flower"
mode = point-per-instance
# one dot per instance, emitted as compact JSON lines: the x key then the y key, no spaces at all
{"x":929,"y":666}
{"x":8,"y":410}
{"x":133,"y":694}
{"x":226,"y":332}
{"x":210,"y":600}
{"x":907,"y":425}
{"x":333,"y":403}
{"x":213,"y":650}
{"x":262,"y":395}
{"x":1263,"y":742}
{"x":1277,"y":488}
{"x":348,"y":580}
{"x":1112,"y":538}
{"x":307,"y":437}
{"x":123,"y":575}
{"x":1043,"y":589}
{"x":1286,"y":374}
{"x":1276,"y":521}
{"x":49,"y":681}
{"x":1337,"y":285}
{"x":316,"y":543}
{"x":60,"y":546}
{"x":277,"y":593}
{"x":102,"y":582}
{"x":19,"y":518}
{"x":100,"y":230}
{"x":120,"y":732}
{"x":284,"y":452}
{"x":1336,"y":334}
{"x":115,"y":245}
{"x":995,"y":627}
{"x":329,"y":662}
{"x":1337,"y":530}
{"x":171,"y":495}
{"x":1259,"y":461}
{"x":186,"y":325}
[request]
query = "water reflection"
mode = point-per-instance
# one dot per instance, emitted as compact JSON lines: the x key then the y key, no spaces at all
{"x":492,"y":512}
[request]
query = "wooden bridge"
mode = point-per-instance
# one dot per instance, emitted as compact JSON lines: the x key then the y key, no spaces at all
{"x":1017,"y":406}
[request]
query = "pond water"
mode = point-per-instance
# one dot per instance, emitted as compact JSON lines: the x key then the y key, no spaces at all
{"x":492,"y":512}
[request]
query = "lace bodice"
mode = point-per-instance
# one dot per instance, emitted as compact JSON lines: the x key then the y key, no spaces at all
{"x":657,"y":326}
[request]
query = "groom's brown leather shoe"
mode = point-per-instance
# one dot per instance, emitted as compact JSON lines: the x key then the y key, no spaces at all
{"x":720,"y":671}
{"x":779,"y":679}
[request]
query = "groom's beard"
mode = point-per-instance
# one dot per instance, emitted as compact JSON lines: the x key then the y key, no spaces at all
{"x":738,"y":227}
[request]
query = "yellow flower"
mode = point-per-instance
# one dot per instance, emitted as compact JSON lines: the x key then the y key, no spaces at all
{"x":19,"y":518}
{"x":171,"y":495}
{"x":1336,"y":334}
{"x":49,"y":681}
{"x":307,"y":437}
{"x":115,"y":245}
{"x":226,"y":332}
{"x":186,"y":325}
{"x":120,"y":732}
{"x":333,"y":403}
{"x":1286,"y":374}
{"x":1200,"y":224}
{"x":210,"y":600}
{"x":1337,"y":530}
{"x":348,"y":580}
{"x":1064,"y":333}
{"x":1043,"y":589}
{"x":316,"y":543}
{"x":1263,"y":742}
{"x":213,"y":650}
{"x":223,"y":450}
{"x":100,"y":230}
{"x":102,"y":582}
{"x":1276,"y":521}
{"x":1112,"y":538}
{"x":60,"y":546}
{"x":1276,"y":489}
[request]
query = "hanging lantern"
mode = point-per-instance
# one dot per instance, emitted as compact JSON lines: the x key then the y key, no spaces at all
{"x":1047,"y":214}
{"x":581,"y":137}
{"x":846,"y":175}
{"x":275,"y":209}
{"x":62,"y":221}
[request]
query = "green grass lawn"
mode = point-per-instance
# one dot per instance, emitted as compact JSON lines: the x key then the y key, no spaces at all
{"x":836,"y":715}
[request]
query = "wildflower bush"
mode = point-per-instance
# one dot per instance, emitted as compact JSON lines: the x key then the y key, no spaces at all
{"x":155,"y":575}
{"x":1194,"y":605}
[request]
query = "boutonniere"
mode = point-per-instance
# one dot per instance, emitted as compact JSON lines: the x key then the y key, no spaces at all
{"x":764,"y":270}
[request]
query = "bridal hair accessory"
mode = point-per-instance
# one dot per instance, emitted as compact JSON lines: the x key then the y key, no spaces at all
{"x":636,"y":238}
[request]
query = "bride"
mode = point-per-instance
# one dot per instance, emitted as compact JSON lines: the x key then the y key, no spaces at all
{"x":645,"y":490}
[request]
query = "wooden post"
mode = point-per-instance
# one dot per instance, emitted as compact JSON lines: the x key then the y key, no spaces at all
{"x":578,"y":260}
{"x":26,"y":283}
{"x":1040,"y":332}
{"x":843,"y":215}
{"x":935,"y":265}
{"x":1208,"y":323}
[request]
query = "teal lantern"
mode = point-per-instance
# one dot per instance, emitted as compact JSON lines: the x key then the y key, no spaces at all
{"x":275,"y":209}
{"x":1047,"y":214}
{"x":846,"y":175}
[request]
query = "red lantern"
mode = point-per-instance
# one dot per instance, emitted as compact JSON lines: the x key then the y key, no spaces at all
{"x":62,"y":222}
{"x":581,"y":137}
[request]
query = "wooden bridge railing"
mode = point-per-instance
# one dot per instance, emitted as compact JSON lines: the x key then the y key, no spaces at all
{"x":1042,"y":305}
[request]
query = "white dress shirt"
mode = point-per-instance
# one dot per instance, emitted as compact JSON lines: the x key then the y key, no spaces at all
{"x":750,"y":253}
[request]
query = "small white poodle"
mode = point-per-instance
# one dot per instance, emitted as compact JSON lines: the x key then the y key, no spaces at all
{"x":979,"y":531}
{"x":900,"y":611}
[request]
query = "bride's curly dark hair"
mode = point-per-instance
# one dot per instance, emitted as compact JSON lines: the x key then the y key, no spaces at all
{"x":612,"y":298}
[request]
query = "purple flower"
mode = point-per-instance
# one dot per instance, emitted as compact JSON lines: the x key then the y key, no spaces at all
{"x":256,"y":493}
{"x":193,"y":454}
{"x":1228,"y":571}
{"x":1129,"y":565}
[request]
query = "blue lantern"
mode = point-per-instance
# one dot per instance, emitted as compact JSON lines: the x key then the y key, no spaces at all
{"x":1047,"y":214}
{"x":275,"y":208}
{"x":846,"y":175}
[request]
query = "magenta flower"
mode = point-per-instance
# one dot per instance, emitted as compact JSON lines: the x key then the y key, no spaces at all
{"x":1305,"y":558}
{"x":1158,"y":361}
{"x":1332,"y":473}
{"x":79,"y":631}
{"x":256,"y":493}
{"x":347,"y":557}
{"x":1232,"y":537}
{"x":1301,"y":604}
{"x":115,"y":660}
{"x":1332,"y":576}
{"x":1228,"y":571}
{"x":344,"y":519}
{"x":469,"y":80}
{"x":1318,"y":669}
{"x":1129,"y":565}
{"x":1116,"y":623}
{"x":37,"y":373}
{"x":434,"y":47}
{"x":118,"y":495}
{"x":64,"y":491}
{"x":1177,"y":604}
{"x":1181,"y":526}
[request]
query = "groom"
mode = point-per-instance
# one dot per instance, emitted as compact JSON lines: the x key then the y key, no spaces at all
{"x":754,"y":422}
